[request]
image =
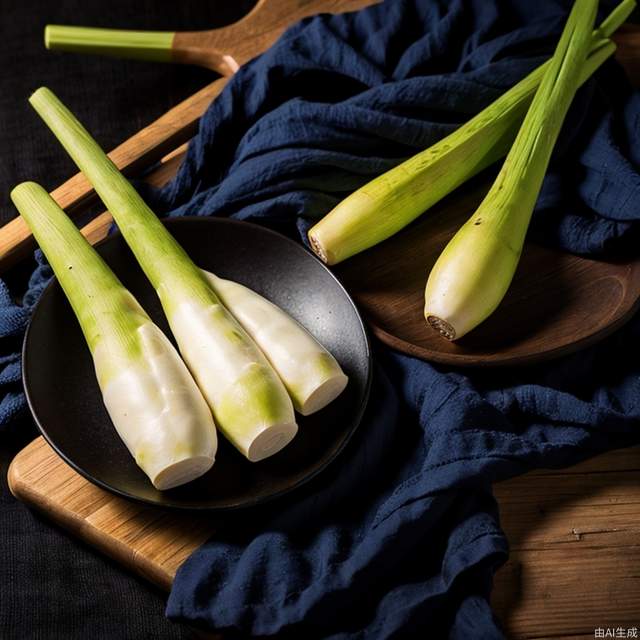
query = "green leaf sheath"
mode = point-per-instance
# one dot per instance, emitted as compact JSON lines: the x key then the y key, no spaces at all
{"x":163,"y":260}
{"x":512,"y":197}
{"x":616,"y":18}
{"x":391,"y":201}
{"x":104,"y":308}
{"x":141,"y":45}
{"x":475,"y":269}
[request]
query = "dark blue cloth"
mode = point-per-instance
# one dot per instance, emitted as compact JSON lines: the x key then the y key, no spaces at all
{"x":401,"y":536}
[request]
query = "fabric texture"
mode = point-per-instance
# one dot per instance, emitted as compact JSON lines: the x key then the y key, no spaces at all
{"x":401,"y":536}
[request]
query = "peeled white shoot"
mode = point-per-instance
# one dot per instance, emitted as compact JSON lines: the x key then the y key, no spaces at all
{"x":473,"y":273}
{"x":152,"y":399}
{"x":249,"y":402}
{"x":310,"y":373}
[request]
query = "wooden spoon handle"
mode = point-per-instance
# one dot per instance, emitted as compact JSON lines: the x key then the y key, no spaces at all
{"x":222,"y":50}
{"x":228,"y":48}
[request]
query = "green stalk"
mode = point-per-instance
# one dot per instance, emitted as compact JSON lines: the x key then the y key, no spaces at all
{"x":473,"y":273}
{"x":249,"y":401}
{"x":104,"y":308}
{"x":141,"y":45}
{"x":391,"y":201}
{"x":151,"y":397}
{"x":163,"y":260}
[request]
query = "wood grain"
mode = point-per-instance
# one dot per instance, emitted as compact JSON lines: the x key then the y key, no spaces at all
{"x":224,"y":50}
{"x":574,"y":535}
{"x":575,"y":549}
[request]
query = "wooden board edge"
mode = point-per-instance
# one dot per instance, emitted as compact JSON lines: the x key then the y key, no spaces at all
{"x":77,"y":526}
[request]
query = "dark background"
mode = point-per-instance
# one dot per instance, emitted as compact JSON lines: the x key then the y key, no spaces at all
{"x":51,"y":586}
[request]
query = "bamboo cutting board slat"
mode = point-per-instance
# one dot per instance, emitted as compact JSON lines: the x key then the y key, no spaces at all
{"x":574,"y":536}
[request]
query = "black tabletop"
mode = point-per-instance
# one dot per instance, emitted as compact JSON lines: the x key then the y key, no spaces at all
{"x":52,"y":586}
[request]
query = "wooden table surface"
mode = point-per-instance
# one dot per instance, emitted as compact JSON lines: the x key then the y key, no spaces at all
{"x":574,"y":534}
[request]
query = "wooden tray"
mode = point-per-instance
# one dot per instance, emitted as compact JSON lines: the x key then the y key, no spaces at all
{"x":557,"y":303}
{"x":562,"y":526}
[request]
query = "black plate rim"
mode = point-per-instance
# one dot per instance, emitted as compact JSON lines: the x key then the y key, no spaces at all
{"x":177,"y":506}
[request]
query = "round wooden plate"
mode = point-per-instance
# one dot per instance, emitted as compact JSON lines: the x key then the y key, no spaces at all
{"x":67,"y":405}
{"x":557,"y":303}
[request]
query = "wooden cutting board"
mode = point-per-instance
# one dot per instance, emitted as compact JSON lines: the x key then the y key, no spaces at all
{"x":574,"y":536}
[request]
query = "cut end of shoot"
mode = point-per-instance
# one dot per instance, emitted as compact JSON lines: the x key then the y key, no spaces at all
{"x":323,"y":394}
{"x":182,"y":472}
{"x":317,"y":248}
{"x":442,"y":327}
{"x":47,"y":36}
{"x":271,"y":441}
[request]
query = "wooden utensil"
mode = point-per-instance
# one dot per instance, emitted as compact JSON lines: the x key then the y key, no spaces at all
{"x":222,"y":50}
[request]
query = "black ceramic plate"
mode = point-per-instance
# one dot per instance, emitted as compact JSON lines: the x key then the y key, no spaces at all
{"x":67,"y":404}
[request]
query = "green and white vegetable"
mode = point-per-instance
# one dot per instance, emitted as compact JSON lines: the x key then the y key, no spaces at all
{"x":154,"y":403}
{"x":310,"y":373}
{"x":141,"y":45}
{"x":391,"y":201}
{"x":473,"y":273}
{"x":249,"y":401}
